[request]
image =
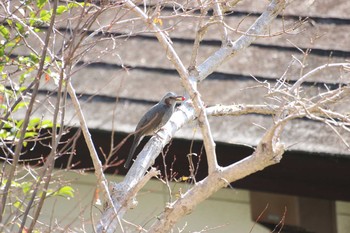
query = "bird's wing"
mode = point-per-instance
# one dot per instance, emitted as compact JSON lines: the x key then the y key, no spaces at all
{"x":149,"y":122}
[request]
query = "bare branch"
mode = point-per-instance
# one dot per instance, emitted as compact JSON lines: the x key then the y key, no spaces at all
{"x":223,"y":30}
{"x":102,"y":181}
{"x":314,"y":71}
{"x":258,"y":28}
{"x":241,"y":109}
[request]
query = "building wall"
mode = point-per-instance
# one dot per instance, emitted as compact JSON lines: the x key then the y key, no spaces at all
{"x":226,"y":211}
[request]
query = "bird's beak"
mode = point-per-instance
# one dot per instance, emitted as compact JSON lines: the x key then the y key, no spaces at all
{"x":180,"y":98}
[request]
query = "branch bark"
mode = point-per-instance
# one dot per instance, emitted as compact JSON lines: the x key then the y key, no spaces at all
{"x":122,"y":194}
{"x":263,"y":157}
{"x":23,"y":130}
{"x":102,"y":181}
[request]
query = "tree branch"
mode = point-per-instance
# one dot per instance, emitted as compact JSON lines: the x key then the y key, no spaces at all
{"x":154,"y":146}
{"x":314,"y":71}
{"x":102,"y":181}
{"x":241,"y":109}
{"x":263,"y":157}
{"x":123,"y":193}
{"x":224,"y":53}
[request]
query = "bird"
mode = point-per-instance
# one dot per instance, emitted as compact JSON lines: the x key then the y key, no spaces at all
{"x":153,"y":120}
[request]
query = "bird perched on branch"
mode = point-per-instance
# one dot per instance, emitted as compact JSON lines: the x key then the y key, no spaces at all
{"x":153,"y":120}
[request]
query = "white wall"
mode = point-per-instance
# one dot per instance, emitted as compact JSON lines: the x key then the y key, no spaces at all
{"x":226,"y":211}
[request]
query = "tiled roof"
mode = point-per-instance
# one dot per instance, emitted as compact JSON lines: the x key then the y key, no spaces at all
{"x":125,"y":76}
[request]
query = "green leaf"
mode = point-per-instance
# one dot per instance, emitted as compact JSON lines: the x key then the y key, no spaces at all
{"x":10,"y":44}
{"x":20,"y":28}
{"x":34,"y":58}
{"x":33,"y":18}
{"x":33,"y":123}
{"x":15,"y":184}
{"x":46,"y":124}
{"x":20,"y":105}
{"x":2,"y":51}
{"x":61,"y":9}
{"x":65,"y":191}
{"x":78,"y":4}
{"x":3,"y":106}
{"x":45,"y":15}
{"x":41,"y":3}
{"x":23,"y":77}
{"x":9,"y":21}
{"x":26,"y":187}
{"x":4,"y":32}
{"x":5,"y":135}
{"x":30,"y":134}
{"x":8,"y":124}
{"x":18,"y":205}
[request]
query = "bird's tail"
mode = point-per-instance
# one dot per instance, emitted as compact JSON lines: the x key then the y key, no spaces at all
{"x":132,"y":151}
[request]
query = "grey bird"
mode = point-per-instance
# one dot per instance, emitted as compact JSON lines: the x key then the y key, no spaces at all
{"x":153,"y":120}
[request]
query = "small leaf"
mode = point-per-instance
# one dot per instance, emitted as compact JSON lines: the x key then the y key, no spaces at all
{"x":26,"y":187}
{"x":34,"y":58}
{"x":66,"y":191}
{"x":30,"y":134}
{"x":41,"y":3}
{"x":45,"y":15}
{"x":2,"y":51}
{"x":20,"y":105}
{"x":158,"y":21}
{"x":20,"y":28}
{"x":17,"y":204}
{"x":78,"y":4}
{"x":61,"y":9}
{"x":9,"y":22}
{"x":4,"y":32}
{"x":46,"y":124}
{"x":33,"y":123}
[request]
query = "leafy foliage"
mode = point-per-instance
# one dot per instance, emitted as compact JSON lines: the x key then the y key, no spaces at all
{"x":22,"y":67}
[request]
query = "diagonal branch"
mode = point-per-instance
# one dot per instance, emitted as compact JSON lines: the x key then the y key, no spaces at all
{"x":263,"y":157}
{"x":218,"y":13}
{"x":102,"y":181}
{"x":241,"y":109}
{"x":224,"y":53}
{"x":189,"y":83}
{"x":187,"y":111}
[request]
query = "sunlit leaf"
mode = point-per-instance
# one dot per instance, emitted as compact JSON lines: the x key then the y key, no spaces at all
{"x":20,"y":105}
{"x":2,"y":51}
{"x":30,"y":134}
{"x":4,"y":32}
{"x":61,"y":9}
{"x":158,"y":21}
{"x":45,"y":15}
{"x":41,"y":3}
{"x":33,"y":123}
{"x":26,"y":187}
{"x":17,"y":204}
{"x":65,"y":191}
{"x":78,"y":4}
{"x":34,"y":58}
{"x":20,"y":27}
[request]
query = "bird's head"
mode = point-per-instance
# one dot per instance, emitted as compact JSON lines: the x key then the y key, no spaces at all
{"x":171,"y":98}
